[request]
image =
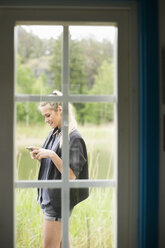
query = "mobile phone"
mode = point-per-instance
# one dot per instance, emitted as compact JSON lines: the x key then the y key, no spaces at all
{"x":30,"y":148}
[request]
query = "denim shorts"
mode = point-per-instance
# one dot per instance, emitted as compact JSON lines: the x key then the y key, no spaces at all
{"x":50,"y":213}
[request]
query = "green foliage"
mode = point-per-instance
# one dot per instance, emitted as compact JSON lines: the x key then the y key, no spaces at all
{"x":94,"y":54}
{"x":39,"y":70}
{"x":77,"y":82}
{"x":104,"y":79}
{"x":77,"y":74}
{"x":30,"y":45}
{"x":21,"y":112}
{"x":28,"y":84}
{"x":55,"y":66}
{"x":100,"y":112}
{"x":25,"y":78}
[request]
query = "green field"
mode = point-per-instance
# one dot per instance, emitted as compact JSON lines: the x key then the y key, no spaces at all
{"x":92,"y":221}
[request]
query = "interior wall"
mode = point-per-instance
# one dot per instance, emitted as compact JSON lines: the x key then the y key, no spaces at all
{"x":162,"y":126}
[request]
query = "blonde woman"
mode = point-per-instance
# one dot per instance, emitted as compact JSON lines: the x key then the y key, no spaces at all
{"x":51,"y":168}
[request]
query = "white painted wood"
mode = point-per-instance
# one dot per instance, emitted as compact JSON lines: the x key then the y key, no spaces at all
{"x":126,"y":182}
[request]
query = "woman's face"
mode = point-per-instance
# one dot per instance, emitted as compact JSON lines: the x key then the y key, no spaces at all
{"x":53,"y":118}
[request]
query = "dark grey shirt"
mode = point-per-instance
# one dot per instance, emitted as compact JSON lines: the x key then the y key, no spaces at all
{"x":43,"y":195}
{"x":78,"y":162}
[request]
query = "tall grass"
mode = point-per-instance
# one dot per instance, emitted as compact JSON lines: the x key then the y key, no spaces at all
{"x":29,"y":220}
{"x":92,"y":221}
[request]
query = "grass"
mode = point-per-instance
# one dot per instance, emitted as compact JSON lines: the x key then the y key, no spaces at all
{"x":92,"y":221}
{"x":99,"y":141}
{"x":29,"y":220}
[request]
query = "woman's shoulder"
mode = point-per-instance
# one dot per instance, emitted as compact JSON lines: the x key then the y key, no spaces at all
{"x":76,"y":140}
{"x":75,"y":134}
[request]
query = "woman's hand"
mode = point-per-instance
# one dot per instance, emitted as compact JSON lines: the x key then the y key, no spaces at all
{"x":42,"y":153}
{"x":39,"y":153}
{"x":32,"y":149}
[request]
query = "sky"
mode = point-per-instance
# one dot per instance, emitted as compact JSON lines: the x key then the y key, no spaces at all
{"x":77,"y":32}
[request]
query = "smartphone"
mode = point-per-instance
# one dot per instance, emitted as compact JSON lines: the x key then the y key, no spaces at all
{"x":30,"y":148}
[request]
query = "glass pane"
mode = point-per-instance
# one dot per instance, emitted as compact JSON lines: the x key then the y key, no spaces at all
{"x":30,"y":131}
{"x":92,"y":59}
{"x":29,"y":219}
{"x":38,"y":59}
{"x":96,"y":125}
{"x":92,"y":223}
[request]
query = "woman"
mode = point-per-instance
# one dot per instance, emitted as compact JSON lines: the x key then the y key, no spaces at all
{"x":51,"y":168}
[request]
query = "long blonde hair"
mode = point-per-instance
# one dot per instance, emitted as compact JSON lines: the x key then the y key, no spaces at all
{"x":54,"y":105}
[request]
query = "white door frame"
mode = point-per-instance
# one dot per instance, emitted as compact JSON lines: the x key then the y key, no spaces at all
{"x":127,"y":103}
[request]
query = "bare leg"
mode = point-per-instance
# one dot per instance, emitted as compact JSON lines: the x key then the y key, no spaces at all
{"x":52,"y":234}
{"x":69,"y":244}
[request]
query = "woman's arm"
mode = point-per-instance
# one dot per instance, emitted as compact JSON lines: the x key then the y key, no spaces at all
{"x":45,"y":153}
{"x":58,"y":163}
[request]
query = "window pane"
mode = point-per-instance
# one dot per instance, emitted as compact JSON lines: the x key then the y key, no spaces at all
{"x":31,"y":130}
{"x":29,"y":219}
{"x":92,"y":223}
{"x":92,"y":51}
{"x":96,"y":125}
{"x":38,"y":59}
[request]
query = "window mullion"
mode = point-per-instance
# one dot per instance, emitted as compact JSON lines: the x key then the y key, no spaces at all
{"x":65,"y":146}
{"x":66,"y":98}
{"x":72,"y":183}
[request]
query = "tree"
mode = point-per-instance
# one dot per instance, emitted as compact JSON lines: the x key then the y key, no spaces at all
{"x":94,"y":53}
{"x":28,"y":84}
{"x":30,"y":45}
{"x":76,"y":66}
{"x":39,"y":71}
{"x":103,"y":83}
{"x":25,"y":78}
{"x":55,"y":66}
{"x":78,"y":81}
{"x":101,"y":112}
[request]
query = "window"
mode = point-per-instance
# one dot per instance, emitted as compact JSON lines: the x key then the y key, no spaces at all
{"x":117,"y":97}
{"x":92,"y":93}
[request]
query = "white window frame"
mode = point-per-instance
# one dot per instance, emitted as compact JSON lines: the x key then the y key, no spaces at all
{"x":126,"y":181}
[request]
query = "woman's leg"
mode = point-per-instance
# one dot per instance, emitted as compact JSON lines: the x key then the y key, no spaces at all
{"x":69,"y":244}
{"x":52,"y":234}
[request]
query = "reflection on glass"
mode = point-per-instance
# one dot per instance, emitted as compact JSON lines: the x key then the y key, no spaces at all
{"x":92,"y":51}
{"x":30,"y":131}
{"x":38,"y":59}
{"x":96,"y":124}
{"x":92,"y":221}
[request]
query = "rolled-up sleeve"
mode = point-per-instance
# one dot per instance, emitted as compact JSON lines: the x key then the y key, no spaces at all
{"x":77,"y":158}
